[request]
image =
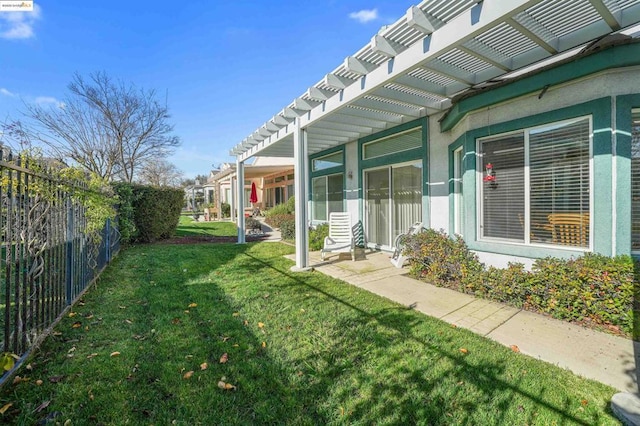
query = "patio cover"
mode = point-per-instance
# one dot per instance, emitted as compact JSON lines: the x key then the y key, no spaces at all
{"x":414,"y":67}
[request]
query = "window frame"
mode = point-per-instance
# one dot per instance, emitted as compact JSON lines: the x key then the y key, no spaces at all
{"x":326,"y":197}
{"x":527,"y":187}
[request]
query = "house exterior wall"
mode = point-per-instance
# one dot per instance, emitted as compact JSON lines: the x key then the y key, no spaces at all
{"x":604,"y":86}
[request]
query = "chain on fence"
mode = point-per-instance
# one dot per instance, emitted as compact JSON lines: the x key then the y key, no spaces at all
{"x":47,"y":258}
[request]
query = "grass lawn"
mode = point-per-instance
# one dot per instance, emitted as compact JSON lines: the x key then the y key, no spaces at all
{"x":188,"y":227}
{"x":147,"y":345}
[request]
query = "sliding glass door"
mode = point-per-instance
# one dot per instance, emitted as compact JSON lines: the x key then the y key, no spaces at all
{"x":393,"y":201}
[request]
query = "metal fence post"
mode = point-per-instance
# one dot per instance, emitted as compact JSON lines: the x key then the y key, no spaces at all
{"x":69,"y":258}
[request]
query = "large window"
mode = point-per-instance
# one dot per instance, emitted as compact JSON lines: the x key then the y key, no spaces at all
{"x":535,"y":185}
{"x":635,"y":182}
{"x":327,"y":196}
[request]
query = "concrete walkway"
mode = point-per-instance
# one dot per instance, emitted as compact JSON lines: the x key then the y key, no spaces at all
{"x":606,"y":358}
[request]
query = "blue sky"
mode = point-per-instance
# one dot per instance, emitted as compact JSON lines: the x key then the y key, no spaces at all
{"x":226,"y":66}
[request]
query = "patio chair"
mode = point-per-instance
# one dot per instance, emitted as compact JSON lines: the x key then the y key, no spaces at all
{"x":570,"y":229}
{"x":398,"y":259}
{"x":340,"y":239}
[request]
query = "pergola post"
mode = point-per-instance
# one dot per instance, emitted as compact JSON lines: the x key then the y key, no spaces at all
{"x":300,"y":159}
{"x":240,"y":198}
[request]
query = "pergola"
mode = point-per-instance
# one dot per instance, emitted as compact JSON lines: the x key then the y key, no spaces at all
{"x":416,"y":66}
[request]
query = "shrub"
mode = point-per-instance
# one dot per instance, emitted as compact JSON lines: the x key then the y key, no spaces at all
{"x":441,"y":260}
{"x":225,"y":209}
{"x":156,"y":212}
{"x":317,"y":235}
{"x":251,"y":223}
{"x":275,"y":221}
{"x":592,"y":290}
{"x":125,"y":220}
{"x":291,"y":205}
{"x":288,"y":228}
{"x":280,"y":209}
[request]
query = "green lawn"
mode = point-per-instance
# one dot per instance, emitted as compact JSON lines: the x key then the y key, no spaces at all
{"x":188,"y":227}
{"x":144,"y":347}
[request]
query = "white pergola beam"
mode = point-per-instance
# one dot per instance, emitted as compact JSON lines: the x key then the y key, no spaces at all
{"x":406,"y":110}
{"x":356,"y":66}
{"x":319,"y":94}
{"x":336,"y":81}
{"x":359,"y":113}
{"x":531,"y":36}
{"x":280,"y":120}
{"x":304,"y":104}
{"x":407,"y":98}
{"x":418,"y":20}
{"x":606,"y":14}
{"x":384,"y":46}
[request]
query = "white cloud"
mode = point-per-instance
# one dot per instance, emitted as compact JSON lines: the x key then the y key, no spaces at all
{"x":49,"y":100}
{"x":19,"y":25}
{"x":5,"y":92}
{"x":363,"y":16}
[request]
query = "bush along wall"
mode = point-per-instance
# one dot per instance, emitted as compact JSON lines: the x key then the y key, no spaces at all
{"x":125,"y":216}
{"x":592,"y":290}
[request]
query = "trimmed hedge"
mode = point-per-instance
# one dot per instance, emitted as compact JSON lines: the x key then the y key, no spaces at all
{"x":276,"y":221}
{"x":592,"y":290}
{"x":146,"y":213}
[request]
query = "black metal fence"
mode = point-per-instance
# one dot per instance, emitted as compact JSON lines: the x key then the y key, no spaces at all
{"x":47,"y":257}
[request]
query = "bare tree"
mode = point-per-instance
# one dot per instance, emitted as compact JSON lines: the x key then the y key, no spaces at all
{"x":108,"y":127}
{"x":160,"y":172}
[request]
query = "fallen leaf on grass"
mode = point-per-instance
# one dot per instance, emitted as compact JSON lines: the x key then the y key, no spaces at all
{"x":192,"y":305}
{"x":128,"y":321}
{"x":7,"y":361}
{"x":235,"y":314}
{"x":116,"y":353}
{"x":225,"y":386}
{"x":56,"y":379}
{"x":175,"y":321}
{"x":464,"y":350}
{"x":584,"y":402}
{"x":225,"y":338}
{"x":72,"y":314}
{"x":19,"y":379}
{"x":224,"y":358}
{"x":260,"y":325}
{"x":43,"y":406}
{"x":188,"y":375}
{"x":204,"y":366}
{"x":122,"y":307}
{"x":264,"y":344}
{"x":246,"y":322}
{"x":76,"y":324}
{"x":92,"y":355}
{"x":39,"y":382}
{"x":515,"y":348}
{"x":5,"y":407}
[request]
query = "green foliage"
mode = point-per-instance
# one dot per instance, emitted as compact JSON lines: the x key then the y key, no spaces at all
{"x":592,"y":290}
{"x":441,"y":260}
{"x":288,"y":228}
{"x":317,"y":235}
{"x":156,"y":212}
{"x":280,"y":209}
{"x":226,"y":209}
{"x":275,"y":221}
{"x":125,"y":217}
{"x":291,"y":205}
{"x":251,"y":223}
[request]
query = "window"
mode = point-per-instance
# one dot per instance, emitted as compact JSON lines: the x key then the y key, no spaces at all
{"x":535,"y":185}
{"x":635,"y":182}
{"x":327,"y":161}
{"x":411,"y":139}
{"x":457,"y":190}
{"x":326,"y":196}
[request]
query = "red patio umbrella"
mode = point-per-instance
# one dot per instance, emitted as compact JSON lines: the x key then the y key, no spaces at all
{"x":253,"y":198}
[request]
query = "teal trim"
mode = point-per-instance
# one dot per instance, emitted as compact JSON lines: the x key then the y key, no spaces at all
{"x":329,"y":171}
{"x":602,"y":147}
{"x":459,"y":143}
{"x":400,"y":157}
{"x":624,"y":105}
{"x":615,"y":57}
